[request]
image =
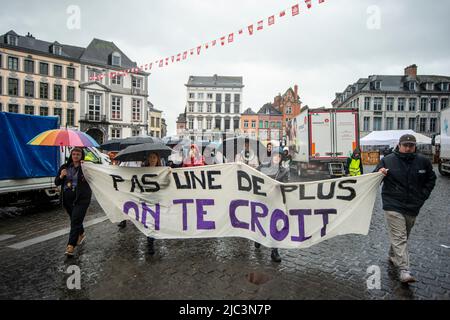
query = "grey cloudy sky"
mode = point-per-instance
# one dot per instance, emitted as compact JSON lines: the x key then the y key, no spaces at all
{"x":322,"y":50}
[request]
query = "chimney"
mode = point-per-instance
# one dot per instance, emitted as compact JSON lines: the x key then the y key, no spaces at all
{"x":29,"y":35}
{"x":411,"y":71}
{"x":296,"y":92}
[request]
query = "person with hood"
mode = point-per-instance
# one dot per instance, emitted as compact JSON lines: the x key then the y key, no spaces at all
{"x":76,"y":197}
{"x":354,"y":165}
{"x":286,"y":160}
{"x":248,"y":156}
{"x":276,"y":171}
{"x":408,"y":182}
{"x":194,"y":158}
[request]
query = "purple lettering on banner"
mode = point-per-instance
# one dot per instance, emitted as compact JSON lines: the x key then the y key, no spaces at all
{"x":235,"y":222}
{"x":301,"y":213}
{"x":184,"y":202}
{"x":203,"y":224}
{"x":279,"y":235}
{"x":155,"y":214}
{"x":256,"y":215}
{"x":325,"y":213}
{"x":131,"y":205}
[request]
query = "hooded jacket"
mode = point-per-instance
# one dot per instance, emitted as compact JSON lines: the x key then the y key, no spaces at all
{"x":408,"y":184}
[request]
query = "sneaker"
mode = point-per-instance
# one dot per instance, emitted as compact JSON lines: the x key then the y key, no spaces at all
{"x":70,"y":250}
{"x":275,"y":256}
{"x":257,"y":245}
{"x":406,"y":277}
{"x":122,"y":224}
{"x":81,"y":239}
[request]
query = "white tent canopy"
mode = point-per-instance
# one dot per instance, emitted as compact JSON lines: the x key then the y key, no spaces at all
{"x":391,"y":138}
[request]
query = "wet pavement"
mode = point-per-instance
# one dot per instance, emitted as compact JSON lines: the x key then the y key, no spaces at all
{"x":114,"y":263}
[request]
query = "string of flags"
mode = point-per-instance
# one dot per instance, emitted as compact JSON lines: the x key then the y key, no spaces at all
{"x":229,"y":38}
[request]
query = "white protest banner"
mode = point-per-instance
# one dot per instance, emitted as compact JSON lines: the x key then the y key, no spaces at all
{"x":233,"y":200}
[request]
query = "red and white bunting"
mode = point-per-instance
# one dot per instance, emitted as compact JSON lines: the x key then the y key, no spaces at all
{"x":250,"y":29}
{"x":295,"y":10}
{"x":260,"y":25}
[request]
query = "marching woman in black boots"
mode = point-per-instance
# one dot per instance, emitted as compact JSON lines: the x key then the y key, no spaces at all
{"x":76,"y":195}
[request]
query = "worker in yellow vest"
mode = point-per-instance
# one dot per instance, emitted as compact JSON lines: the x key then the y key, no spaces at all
{"x":354,"y":164}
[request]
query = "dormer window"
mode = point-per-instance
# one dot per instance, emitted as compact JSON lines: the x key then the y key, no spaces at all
{"x":412,"y":86}
{"x":429,"y":86}
{"x":12,"y":40}
{"x":56,"y":49}
{"x":116,"y":59}
{"x":445,"y":86}
{"x":375,"y":85}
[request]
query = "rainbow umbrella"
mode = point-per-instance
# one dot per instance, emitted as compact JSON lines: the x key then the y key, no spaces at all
{"x":63,"y":138}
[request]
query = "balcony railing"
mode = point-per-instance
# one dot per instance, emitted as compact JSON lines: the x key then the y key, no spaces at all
{"x":95,"y":117}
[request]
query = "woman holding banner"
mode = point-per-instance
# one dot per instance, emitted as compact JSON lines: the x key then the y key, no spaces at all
{"x":76,"y":195}
{"x":153,"y":160}
{"x":276,"y":171}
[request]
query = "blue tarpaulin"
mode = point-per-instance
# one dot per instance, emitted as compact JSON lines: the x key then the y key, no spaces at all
{"x":22,"y":160}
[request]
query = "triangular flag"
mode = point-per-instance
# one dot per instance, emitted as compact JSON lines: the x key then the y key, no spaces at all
{"x":146,"y":66}
{"x":222,"y":40}
{"x":250,"y":29}
{"x":308,"y":3}
{"x":241,"y":31}
{"x":206,"y":45}
{"x":295,"y":10}
{"x":192,"y":52}
{"x":260,"y":25}
{"x":184,"y":55}
{"x":321,"y":1}
{"x":161,"y":63}
{"x":179,"y":57}
{"x":230,"y":37}
{"x":173,"y":59}
{"x":214,"y":43}
{"x":198,"y":49}
{"x":150,"y":66}
{"x":271,"y":20}
{"x":282,"y":13}
{"x":167,"y":61}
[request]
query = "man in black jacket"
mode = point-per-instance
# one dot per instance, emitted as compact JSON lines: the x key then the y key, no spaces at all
{"x":408,"y":183}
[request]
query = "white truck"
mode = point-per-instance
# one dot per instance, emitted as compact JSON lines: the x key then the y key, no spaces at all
{"x":442,"y":144}
{"x":321,"y":140}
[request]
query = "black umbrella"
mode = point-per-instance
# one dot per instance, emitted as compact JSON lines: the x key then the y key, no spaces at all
{"x":232,"y":146}
{"x":132,"y":141}
{"x":140,"y":152}
{"x":111,"y":145}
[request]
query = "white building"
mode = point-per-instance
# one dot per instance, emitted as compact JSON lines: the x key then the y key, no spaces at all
{"x":213,"y":107}
{"x":408,"y":101}
{"x":111,"y":107}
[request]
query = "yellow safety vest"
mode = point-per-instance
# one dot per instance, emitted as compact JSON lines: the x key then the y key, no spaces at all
{"x":354,"y":169}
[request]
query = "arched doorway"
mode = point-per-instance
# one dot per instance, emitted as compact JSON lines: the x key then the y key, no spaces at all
{"x":97,"y":134}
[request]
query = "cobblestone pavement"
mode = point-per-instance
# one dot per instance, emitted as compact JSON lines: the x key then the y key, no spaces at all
{"x":114,"y":263}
